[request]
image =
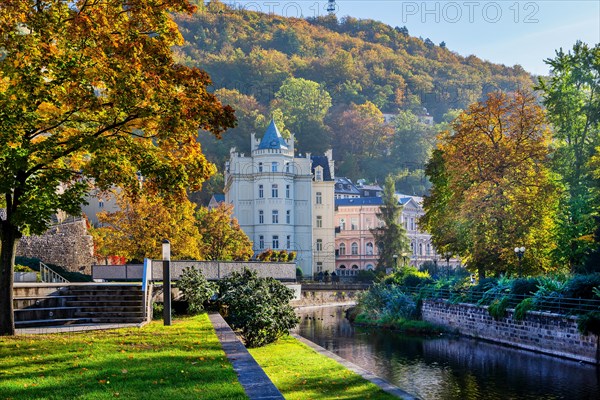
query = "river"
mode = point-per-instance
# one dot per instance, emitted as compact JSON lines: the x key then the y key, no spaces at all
{"x":445,"y":368}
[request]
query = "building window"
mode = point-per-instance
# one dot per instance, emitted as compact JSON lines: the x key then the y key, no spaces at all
{"x":342,"y":249}
{"x":354,"y":249}
{"x":428,"y":249}
{"x":261,"y":242}
{"x":354,"y":224}
{"x":288,"y":242}
{"x":275,"y":242}
{"x":319,"y":198}
{"x":274,"y":166}
{"x":319,"y":221}
{"x":261,"y":191}
{"x":287,"y":167}
{"x":369,"y":249}
{"x":274,"y":191}
{"x":260,"y":167}
{"x":412,"y":247}
{"x":100,"y":203}
{"x":261,"y":217}
{"x":287,"y":191}
{"x":342,"y":224}
{"x":420,"y":249}
{"x":275,"y":216}
{"x":319,"y":266}
{"x":412,"y":224}
{"x":319,"y":173}
{"x":319,"y":244}
{"x":288,"y":217}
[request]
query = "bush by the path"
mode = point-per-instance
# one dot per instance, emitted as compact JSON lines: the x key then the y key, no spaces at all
{"x":259,"y":308}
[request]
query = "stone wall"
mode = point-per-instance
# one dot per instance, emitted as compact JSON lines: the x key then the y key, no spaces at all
{"x":68,"y":245}
{"x":323,"y":297}
{"x":538,"y":331}
{"x":212,"y":270}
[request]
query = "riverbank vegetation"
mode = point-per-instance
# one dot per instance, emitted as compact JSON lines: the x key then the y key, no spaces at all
{"x":181,"y":361}
{"x":394,"y":301}
{"x":301,"y":373}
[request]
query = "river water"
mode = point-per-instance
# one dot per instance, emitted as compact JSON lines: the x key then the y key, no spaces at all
{"x":445,"y":368}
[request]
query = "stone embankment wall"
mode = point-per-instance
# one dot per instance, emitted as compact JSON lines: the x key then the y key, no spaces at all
{"x":323,"y":297}
{"x":538,"y":331}
{"x":68,"y":245}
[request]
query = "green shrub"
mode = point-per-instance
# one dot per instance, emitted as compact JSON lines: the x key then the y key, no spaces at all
{"x":589,"y":323}
{"x":524,"y":286}
{"x":22,"y":268}
{"x":365,"y":276}
{"x":383,"y":301}
{"x":582,"y":286}
{"x":523,"y":307}
{"x":498,"y":307}
{"x":299,"y":273}
{"x":195,"y":289}
{"x":258,"y":307}
{"x":157,"y":310}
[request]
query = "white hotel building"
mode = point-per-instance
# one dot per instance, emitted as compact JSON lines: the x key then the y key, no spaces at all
{"x":284,"y":202}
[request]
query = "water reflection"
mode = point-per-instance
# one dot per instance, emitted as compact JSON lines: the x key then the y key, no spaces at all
{"x":450,"y":368}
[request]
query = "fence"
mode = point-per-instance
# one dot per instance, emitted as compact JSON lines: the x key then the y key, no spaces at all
{"x":551,"y":304}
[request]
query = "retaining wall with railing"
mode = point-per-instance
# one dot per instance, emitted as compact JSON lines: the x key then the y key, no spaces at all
{"x":543,"y":332}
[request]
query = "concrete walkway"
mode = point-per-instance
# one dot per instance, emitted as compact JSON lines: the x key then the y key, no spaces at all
{"x":382,"y":383}
{"x":255,"y":382}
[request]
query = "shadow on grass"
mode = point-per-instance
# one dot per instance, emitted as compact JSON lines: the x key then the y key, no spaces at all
{"x":179,"y":362}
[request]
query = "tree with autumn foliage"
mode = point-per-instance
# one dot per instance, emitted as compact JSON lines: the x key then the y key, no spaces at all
{"x":137,"y":230}
{"x":90,"y":95}
{"x":221,"y":236}
{"x":493,"y":189}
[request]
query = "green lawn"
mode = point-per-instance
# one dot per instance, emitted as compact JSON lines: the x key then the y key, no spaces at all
{"x":301,"y":373}
{"x":183,"y":361}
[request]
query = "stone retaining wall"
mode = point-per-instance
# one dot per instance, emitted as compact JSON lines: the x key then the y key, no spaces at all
{"x":322,"y":297}
{"x":538,"y":331}
{"x":68,"y":245}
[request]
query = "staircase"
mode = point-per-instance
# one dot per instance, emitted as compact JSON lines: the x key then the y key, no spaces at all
{"x":83,"y":303}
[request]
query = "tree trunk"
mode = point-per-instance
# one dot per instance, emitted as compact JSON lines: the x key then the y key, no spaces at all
{"x":9,"y":236}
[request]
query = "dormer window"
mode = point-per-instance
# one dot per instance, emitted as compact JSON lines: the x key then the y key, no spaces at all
{"x":319,"y":173}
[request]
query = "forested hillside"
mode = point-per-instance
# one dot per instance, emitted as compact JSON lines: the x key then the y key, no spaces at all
{"x":328,"y":81}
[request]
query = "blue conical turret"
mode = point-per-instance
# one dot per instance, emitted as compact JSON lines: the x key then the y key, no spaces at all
{"x":272,"y":138}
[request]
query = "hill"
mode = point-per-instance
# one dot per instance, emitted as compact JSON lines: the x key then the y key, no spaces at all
{"x":362,"y":68}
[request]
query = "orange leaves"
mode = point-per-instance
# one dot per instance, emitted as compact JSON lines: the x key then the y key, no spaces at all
{"x":501,"y":192}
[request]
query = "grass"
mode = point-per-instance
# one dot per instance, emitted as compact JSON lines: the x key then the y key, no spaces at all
{"x":301,"y":373}
{"x":182,"y":361}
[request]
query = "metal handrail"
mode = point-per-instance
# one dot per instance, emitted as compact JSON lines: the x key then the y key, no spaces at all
{"x":552,"y":304}
{"x":50,"y":276}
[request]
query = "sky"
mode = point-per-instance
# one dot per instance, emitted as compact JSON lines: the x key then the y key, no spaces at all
{"x":507,"y":32}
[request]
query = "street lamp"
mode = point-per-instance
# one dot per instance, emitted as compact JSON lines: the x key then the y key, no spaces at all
{"x":166,"y":255}
{"x":520,"y":252}
{"x":447,"y":256}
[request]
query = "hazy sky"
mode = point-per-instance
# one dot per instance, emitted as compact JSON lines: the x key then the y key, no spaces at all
{"x":507,"y":32}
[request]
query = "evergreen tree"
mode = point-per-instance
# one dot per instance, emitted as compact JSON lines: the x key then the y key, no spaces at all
{"x":391,"y":237}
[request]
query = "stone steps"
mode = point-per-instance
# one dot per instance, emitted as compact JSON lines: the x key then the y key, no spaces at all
{"x":80,"y":304}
